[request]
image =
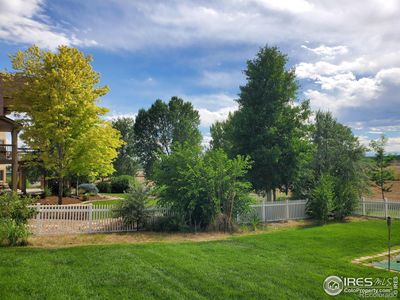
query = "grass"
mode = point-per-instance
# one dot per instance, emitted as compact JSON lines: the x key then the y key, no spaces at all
{"x":120,"y":196}
{"x":103,"y":202}
{"x":115,"y":195}
{"x":282,"y":264}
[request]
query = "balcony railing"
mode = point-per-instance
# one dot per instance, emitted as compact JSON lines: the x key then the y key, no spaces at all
{"x":6,"y":152}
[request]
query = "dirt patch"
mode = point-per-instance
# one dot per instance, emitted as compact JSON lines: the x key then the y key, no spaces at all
{"x":60,"y":241}
{"x":54,"y":200}
{"x":72,"y":200}
{"x":394,"y":195}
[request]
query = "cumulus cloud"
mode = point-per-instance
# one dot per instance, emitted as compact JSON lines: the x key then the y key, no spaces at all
{"x":355,"y":99}
{"x":208,"y":117}
{"x":23,"y":21}
{"x":393,"y":145}
{"x":328,"y":52}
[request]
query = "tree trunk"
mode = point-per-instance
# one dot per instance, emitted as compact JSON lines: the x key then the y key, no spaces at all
{"x":60,"y":176}
{"x":76,"y":188}
{"x":60,"y":189}
{"x":274,"y":194}
{"x":269,"y":196}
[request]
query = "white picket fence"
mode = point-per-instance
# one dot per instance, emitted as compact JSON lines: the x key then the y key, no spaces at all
{"x":378,"y":209}
{"x":276,"y":211}
{"x":72,"y":219}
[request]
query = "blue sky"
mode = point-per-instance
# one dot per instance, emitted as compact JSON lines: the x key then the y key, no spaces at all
{"x":346,"y":53}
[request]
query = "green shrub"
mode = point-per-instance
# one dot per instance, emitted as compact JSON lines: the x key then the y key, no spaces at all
{"x":121,"y":184}
{"x":321,"y":204}
{"x":13,"y":233}
{"x":14,"y":215}
{"x":104,"y":187}
{"x":133,"y":208}
{"x":171,"y":223}
{"x":206,"y":189}
{"x":87,"y":188}
{"x":254,"y":221}
{"x":47,"y":192}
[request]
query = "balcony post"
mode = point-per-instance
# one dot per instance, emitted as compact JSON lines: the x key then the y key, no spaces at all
{"x":14,"y":159}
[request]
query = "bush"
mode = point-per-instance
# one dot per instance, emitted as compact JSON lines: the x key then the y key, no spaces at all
{"x":14,"y":215}
{"x":254,"y":221}
{"x":321,"y":204}
{"x":47,"y":192}
{"x":87,"y":188}
{"x":133,"y":208}
{"x":346,"y":200}
{"x":121,"y":184}
{"x":206,"y":189}
{"x":104,"y":187}
{"x":168,"y":224}
{"x":13,"y":233}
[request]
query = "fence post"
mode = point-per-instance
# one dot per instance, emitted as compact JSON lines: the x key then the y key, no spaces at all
{"x":38,"y":218}
{"x":287,"y":209}
{"x":386,"y":208}
{"x":263,"y":207}
{"x":363,"y":206}
{"x":90,"y":217}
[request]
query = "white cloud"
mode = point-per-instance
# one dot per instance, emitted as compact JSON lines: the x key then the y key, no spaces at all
{"x":23,"y":21}
{"x":328,"y":52}
{"x":364,"y":140}
{"x":393,"y":145}
{"x":212,"y":107}
{"x":221,"y":79}
{"x":211,"y":102}
{"x":206,"y":140}
{"x":208,"y":117}
{"x":355,"y":99}
{"x":294,"y":6}
{"x":115,"y":115}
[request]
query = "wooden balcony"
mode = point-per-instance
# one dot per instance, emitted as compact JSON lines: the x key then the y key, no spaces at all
{"x":6,"y":154}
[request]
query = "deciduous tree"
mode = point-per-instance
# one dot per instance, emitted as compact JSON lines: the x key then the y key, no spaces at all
{"x":339,"y":157}
{"x":163,"y":125}
{"x":206,"y":189}
{"x":269,"y":126}
{"x":59,"y":101}
{"x":126,"y":162}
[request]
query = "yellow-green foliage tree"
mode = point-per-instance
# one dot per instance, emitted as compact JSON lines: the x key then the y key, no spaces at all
{"x":58,"y":95}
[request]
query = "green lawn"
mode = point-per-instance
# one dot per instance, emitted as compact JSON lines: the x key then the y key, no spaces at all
{"x":152,"y":201}
{"x":283,"y":264}
{"x":116,"y":195}
{"x":103,"y":202}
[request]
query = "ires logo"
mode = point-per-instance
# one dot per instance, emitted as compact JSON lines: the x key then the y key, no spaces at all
{"x":333,"y":285}
{"x":364,"y":282}
{"x":364,"y":287}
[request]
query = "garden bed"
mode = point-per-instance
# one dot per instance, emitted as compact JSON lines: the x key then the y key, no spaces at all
{"x":74,"y":200}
